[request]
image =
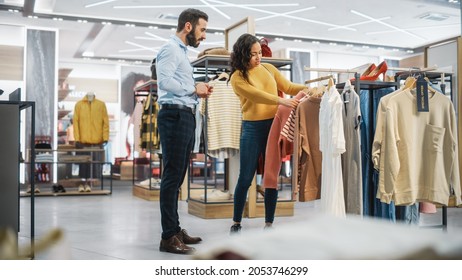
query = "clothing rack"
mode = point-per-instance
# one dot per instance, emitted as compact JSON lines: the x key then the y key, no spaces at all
{"x":147,"y":89}
{"x":319,"y":79}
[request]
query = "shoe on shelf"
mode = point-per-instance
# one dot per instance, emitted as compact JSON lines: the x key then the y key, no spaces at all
{"x":367,"y":71}
{"x":87,"y":188}
{"x":175,"y":246}
{"x":61,"y":189}
{"x":374,"y":74}
{"x":81,"y":188}
{"x":55,"y":189}
{"x":236,"y":228}
{"x":37,"y":190}
{"x":186,"y":239}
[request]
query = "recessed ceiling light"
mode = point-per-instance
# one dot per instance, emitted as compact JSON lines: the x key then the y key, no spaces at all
{"x":88,"y":54}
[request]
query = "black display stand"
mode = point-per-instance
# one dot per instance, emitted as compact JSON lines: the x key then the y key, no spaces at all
{"x":10,"y":114}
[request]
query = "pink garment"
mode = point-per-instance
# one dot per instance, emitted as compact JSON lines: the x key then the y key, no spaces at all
{"x":278,"y":146}
{"x":427,"y":207}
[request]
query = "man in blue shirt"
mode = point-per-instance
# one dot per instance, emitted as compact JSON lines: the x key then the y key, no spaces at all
{"x":177,"y":97}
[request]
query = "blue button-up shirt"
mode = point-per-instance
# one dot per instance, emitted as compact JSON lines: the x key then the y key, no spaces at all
{"x":175,"y":81}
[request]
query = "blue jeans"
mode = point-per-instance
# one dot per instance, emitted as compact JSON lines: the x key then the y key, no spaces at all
{"x":371,"y":205}
{"x":253,"y":144}
{"x":176,"y":131}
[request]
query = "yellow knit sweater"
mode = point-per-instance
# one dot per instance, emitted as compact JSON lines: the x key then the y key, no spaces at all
{"x":259,"y":96}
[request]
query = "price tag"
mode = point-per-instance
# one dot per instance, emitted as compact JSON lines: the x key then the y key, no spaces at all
{"x":422,"y":95}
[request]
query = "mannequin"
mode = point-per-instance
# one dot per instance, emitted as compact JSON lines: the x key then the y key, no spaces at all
{"x":91,"y":131}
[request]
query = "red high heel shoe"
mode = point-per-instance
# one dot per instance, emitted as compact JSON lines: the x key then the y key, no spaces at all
{"x":372,"y":76}
{"x":366,"y":72}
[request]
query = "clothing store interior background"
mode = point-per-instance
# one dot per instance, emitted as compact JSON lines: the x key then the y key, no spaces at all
{"x":56,"y":52}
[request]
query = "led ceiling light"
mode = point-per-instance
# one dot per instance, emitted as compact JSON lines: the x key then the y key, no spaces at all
{"x":215,"y":9}
{"x":288,"y":13}
{"x":388,"y":25}
{"x":99,"y":3}
{"x":281,"y":15}
{"x":358,"y":23}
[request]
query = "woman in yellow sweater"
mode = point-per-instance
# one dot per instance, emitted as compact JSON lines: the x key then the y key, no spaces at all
{"x":256,"y":85}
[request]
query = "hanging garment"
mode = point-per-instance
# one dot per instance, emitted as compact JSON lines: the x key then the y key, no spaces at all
{"x":307,"y":160}
{"x":224,"y":120}
{"x":135,"y":120}
{"x":198,"y":132}
{"x":149,"y":134}
{"x":278,"y":145}
{"x":332,"y":145}
{"x":351,"y":159}
{"x":421,"y":159}
{"x":372,"y":206}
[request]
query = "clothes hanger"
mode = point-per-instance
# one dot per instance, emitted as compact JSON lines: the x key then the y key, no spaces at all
{"x":410,"y":82}
{"x":330,"y":83}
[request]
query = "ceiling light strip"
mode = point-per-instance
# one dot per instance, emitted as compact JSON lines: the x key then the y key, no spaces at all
{"x":358,"y":23}
{"x":215,"y":9}
{"x":99,"y":3}
{"x":205,"y":6}
{"x":388,"y":25}
{"x":288,"y":13}
{"x":282,"y":15}
{"x":156,"y":36}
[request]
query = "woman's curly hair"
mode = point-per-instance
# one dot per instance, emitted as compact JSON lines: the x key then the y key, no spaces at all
{"x":241,"y":55}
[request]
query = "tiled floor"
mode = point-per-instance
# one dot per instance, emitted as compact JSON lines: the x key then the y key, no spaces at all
{"x":121,"y":226}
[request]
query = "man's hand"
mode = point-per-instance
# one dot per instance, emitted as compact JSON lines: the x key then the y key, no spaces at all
{"x":203,"y":90}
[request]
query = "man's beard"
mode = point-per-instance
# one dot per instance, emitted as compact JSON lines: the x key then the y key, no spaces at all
{"x":191,"y":39}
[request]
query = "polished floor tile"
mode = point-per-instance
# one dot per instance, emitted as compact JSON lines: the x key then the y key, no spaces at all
{"x":122,"y":226}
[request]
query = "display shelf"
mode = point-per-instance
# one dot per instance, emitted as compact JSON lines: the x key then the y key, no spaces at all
{"x":67,"y":158}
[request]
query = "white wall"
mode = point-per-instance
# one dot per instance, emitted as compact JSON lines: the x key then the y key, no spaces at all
{"x":11,"y":36}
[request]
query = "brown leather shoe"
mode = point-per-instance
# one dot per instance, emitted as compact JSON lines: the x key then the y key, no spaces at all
{"x":183,"y":236}
{"x":174,"y":245}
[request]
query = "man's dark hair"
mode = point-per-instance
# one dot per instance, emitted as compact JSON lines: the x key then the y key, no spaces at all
{"x":192,"y":16}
